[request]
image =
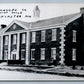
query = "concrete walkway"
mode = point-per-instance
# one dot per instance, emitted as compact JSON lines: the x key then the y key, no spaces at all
{"x":65,"y":71}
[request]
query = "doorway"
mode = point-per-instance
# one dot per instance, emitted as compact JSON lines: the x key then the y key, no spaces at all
{"x":14,"y":54}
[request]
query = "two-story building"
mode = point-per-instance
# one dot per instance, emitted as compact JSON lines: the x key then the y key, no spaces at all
{"x":53,"y":41}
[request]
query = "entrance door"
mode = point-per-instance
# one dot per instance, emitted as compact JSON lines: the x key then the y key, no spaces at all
{"x":53,"y":56}
{"x":14,"y":56}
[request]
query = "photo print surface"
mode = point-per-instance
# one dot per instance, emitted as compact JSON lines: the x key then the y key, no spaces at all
{"x":41,"y":41}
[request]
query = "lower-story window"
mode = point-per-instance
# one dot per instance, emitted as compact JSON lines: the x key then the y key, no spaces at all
{"x":42,"y":53}
{"x":23,"y":54}
{"x":5,"y":55}
{"x":74,"y":54}
{"x":32,"y":54}
{"x":53,"y":53}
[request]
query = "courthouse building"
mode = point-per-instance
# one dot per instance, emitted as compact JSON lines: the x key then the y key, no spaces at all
{"x":53,"y":41}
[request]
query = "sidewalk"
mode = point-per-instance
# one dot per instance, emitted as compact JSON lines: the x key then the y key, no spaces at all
{"x":59,"y":70}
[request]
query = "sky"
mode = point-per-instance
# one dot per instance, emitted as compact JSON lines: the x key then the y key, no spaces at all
{"x":47,"y":10}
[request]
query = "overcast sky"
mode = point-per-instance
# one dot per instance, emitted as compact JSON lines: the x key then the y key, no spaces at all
{"x":46,"y":10}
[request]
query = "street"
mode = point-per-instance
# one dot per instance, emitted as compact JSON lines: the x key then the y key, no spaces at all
{"x":15,"y":75}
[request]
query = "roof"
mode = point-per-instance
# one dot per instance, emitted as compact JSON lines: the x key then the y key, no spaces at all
{"x":44,"y":22}
{"x":51,"y":21}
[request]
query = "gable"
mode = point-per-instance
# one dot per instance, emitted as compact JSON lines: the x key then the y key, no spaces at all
{"x":14,"y":27}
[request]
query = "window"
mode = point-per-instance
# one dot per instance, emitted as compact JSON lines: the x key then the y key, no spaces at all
{"x":74,"y":54}
{"x":23,"y":54}
{"x":54,"y":34}
{"x":14,"y":39}
{"x":74,"y":35}
{"x":42,"y":53}
{"x":32,"y":54}
{"x":53,"y":53}
{"x":23,"y":38}
{"x":6,"y":40}
{"x":5,"y":55}
{"x":43,"y":36}
{"x":33,"y":37}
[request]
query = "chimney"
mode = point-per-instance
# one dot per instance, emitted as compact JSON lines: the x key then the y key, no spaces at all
{"x":3,"y":26}
{"x":82,"y":10}
{"x":36,"y":12}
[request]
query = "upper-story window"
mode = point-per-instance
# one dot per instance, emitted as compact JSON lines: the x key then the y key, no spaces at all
{"x":23,"y":38}
{"x":14,"y":39}
{"x":33,"y":37}
{"x":74,"y":54}
{"x":42,"y":53}
{"x":53,"y":53}
{"x":74,"y":35}
{"x":54,"y":31}
{"x":43,"y":36}
{"x":6,"y":40}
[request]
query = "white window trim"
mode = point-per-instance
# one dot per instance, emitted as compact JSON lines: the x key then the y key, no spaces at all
{"x":54,"y":58}
{"x":23,"y":38}
{"x":33,"y":40}
{"x":74,"y":54}
{"x":43,"y":36}
{"x":31,"y":54}
{"x":42,"y":57}
{"x":14,"y":39}
{"x":6,"y":40}
{"x":74,"y":35}
{"x":54,"y":37}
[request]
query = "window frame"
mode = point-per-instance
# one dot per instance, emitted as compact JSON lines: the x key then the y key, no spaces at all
{"x":33,"y":39}
{"x":14,"y":39}
{"x":42,"y":56}
{"x":74,"y":35}
{"x":32,"y":55}
{"x":23,"y":50}
{"x":74,"y":54}
{"x":53,"y":56}
{"x":54,"y":34}
{"x":6,"y":40}
{"x":43,"y":32}
{"x":23,"y":39}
